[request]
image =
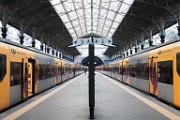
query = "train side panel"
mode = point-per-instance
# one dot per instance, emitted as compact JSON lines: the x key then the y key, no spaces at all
{"x":161,"y":73}
{"x":18,"y":76}
{"x":58,"y":71}
{"x":176,"y":74}
{"x":138,"y":71}
{"x":63,"y":63}
{"x":4,"y":76}
{"x":120,"y":75}
{"x":46,"y":74}
{"x":125,"y":71}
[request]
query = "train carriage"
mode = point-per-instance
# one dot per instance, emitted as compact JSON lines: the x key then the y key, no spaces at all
{"x":25,"y":72}
{"x":155,"y":70}
{"x":125,"y":74}
{"x":138,"y":71}
{"x":164,"y":78}
{"x":120,"y":75}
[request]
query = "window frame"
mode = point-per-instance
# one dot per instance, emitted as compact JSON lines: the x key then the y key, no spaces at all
{"x":3,"y":59}
{"x":161,"y":75}
{"x":178,"y":63}
{"x":12,"y":83}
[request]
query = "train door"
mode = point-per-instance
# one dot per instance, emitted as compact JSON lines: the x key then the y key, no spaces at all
{"x":153,"y":76}
{"x":30,"y":79}
{"x":176,"y":81}
{"x":25,"y":79}
{"x":125,"y":71}
{"x":56,"y":74}
{"x":118,"y":65}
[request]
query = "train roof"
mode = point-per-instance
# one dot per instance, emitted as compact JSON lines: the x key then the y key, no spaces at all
{"x":7,"y":41}
{"x":152,"y":48}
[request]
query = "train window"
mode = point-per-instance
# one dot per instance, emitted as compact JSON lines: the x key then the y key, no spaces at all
{"x":2,"y":67}
{"x":16,"y":73}
{"x":145,"y":71}
{"x":138,"y":70}
{"x":165,"y":72}
{"x":42,"y":72}
{"x":48,"y":71}
{"x":116,"y":69}
{"x":59,"y":70}
{"x":53,"y":71}
{"x":142,"y":70}
{"x":178,"y":63}
{"x":132,"y":72}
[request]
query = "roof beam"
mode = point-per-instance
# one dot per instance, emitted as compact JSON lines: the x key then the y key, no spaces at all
{"x":106,"y":15}
{"x":68,"y":17}
{"x":77,"y":16}
{"x":120,"y":4}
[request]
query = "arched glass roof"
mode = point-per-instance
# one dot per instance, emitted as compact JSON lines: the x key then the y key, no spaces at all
{"x":100,"y":17}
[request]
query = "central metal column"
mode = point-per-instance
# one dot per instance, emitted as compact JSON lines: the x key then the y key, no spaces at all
{"x":91,"y":81}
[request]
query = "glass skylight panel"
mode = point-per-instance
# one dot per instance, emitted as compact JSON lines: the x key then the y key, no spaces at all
{"x":111,"y":15}
{"x":68,"y":25}
{"x":64,"y":18}
{"x":53,"y":2}
{"x":73,"y":15}
{"x":76,"y":15}
{"x":124,"y":8}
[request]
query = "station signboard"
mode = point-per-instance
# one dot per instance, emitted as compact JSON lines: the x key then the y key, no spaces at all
{"x":96,"y":41}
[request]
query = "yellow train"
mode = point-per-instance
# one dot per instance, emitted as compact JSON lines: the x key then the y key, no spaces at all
{"x":25,"y":72}
{"x":155,"y":70}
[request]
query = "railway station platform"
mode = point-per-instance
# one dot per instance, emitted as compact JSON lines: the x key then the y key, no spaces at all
{"x":114,"y":101}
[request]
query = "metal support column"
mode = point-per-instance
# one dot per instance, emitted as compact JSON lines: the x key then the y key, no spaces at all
{"x":33,"y":38}
{"x":136,"y":45}
{"x":48,"y":47}
{"x":21,"y":36}
{"x":91,"y":81}
{"x":4,"y":22}
{"x":42,"y":46}
{"x":150,"y":38}
{"x":142,"y":43}
{"x":162,"y":31}
{"x":42,"y":40}
{"x":127,"y":52}
{"x":131,"y":49}
{"x":52,"y":51}
{"x":56,"y":53}
{"x":178,"y":16}
{"x":48,"y":50}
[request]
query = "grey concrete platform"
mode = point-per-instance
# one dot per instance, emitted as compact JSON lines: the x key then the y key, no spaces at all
{"x":71,"y":103}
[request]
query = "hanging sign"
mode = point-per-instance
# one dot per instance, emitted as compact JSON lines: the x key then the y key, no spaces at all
{"x":96,"y":41}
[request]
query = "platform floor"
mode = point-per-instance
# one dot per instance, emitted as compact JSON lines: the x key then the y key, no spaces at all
{"x":114,"y":101}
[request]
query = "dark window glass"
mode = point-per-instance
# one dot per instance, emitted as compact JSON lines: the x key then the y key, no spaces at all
{"x":142,"y":71}
{"x":50,"y":71}
{"x":59,"y":70}
{"x":53,"y":71}
{"x":43,"y":72}
{"x":2,"y":66}
{"x":178,"y":63}
{"x":16,"y":73}
{"x":132,"y":71}
{"x":40,"y":72}
{"x":116,"y":69}
{"x":64,"y":70}
{"x":121,"y":70}
{"x":165,"y":72}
